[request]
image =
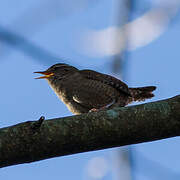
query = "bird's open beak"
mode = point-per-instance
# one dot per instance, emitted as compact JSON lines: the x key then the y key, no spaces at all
{"x":46,"y":73}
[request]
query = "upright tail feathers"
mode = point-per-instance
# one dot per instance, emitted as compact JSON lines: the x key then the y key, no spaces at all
{"x":142,"y":93}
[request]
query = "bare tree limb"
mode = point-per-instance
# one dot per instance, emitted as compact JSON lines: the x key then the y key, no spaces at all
{"x":93,"y":131}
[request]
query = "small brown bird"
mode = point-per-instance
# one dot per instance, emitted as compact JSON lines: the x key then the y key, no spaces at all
{"x":86,"y":90}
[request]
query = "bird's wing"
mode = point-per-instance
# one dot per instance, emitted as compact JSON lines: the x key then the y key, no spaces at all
{"x":106,"y":79}
{"x":94,"y":94}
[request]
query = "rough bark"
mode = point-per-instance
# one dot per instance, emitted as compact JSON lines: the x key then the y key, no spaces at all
{"x":32,"y":141}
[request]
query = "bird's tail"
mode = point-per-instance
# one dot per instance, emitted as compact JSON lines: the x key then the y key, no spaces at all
{"x":142,"y":93}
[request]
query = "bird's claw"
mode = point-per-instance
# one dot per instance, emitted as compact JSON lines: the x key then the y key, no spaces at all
{"x":94,"y":110}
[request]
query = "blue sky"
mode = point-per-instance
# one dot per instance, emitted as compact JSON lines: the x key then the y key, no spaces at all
{"x":24,"y":98}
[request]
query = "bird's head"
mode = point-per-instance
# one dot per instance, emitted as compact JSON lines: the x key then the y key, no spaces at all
{"x":58,"y":71}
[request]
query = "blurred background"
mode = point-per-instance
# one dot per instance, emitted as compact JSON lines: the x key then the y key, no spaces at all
{"x":137,"y":41}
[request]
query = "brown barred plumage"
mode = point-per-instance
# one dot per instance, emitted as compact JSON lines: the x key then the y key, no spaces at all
{"x":84,"y":90}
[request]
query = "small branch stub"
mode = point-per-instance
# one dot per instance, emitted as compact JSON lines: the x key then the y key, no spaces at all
{"x":37,"y":124}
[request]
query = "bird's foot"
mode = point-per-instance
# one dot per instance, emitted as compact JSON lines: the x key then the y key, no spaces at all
{"x":94,"y":110}
{"x":97,"y":110}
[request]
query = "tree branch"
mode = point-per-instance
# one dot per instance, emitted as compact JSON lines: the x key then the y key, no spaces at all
{"x":22,"y":143}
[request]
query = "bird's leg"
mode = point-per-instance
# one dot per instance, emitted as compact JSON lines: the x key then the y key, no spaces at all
{"x":96,"y":110}
{"x":103,"y":108}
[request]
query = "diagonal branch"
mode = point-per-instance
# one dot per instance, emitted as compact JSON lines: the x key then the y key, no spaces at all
{"x":22,"y":143}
